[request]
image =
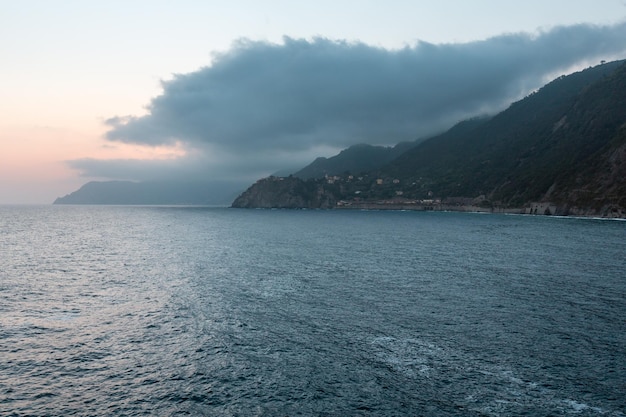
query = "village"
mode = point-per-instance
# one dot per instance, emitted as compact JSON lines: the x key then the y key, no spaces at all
{"x":361,"y":192}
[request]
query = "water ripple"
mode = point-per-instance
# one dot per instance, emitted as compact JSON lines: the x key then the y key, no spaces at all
{"x":191,"y":311}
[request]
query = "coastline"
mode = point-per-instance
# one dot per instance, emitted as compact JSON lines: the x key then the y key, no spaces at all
{"x":428,"y":207}
{"x":550,"y":209}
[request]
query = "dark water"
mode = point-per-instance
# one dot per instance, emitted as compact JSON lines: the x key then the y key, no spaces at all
{"x":199,"y":311}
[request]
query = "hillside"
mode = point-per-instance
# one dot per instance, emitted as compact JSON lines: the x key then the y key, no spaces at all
{"x":563,"y":145}
{"x":355,"y":159}
{"x":537,"y":145}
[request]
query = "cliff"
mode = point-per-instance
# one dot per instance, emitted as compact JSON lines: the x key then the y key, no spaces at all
{"x":287,"y":192}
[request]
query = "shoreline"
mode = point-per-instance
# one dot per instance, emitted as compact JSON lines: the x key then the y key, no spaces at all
{"x":553,"y":212}
{"x":429,"y":207}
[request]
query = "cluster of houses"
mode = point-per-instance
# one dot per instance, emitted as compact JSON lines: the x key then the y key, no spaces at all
{"x":431,"y":203}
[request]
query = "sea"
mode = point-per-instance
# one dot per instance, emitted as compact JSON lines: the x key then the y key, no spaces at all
{"x":205,"y":311}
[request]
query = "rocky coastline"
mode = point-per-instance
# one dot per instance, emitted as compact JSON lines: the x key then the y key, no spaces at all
{"x":294,"y":193}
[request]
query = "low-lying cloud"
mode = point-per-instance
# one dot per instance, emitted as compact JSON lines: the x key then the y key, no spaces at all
{"x":261,"y":106}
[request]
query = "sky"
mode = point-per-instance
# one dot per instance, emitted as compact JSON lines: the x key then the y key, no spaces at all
{"x":147,"y":90}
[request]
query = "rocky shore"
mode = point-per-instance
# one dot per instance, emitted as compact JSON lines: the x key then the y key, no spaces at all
{"x":294,"y":193}
{"x":606,"y":212}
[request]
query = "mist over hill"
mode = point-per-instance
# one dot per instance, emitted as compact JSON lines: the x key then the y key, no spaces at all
{"x":152,"y":192}
{"x":537,"y":143}
{"x":564,"y":145}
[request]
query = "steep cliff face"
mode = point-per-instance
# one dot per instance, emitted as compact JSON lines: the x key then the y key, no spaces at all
{"x":287,"y":192}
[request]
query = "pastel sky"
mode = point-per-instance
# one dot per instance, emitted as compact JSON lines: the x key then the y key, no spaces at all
{"x":136,"y":89}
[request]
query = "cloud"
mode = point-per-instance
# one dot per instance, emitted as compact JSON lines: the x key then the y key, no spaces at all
{"x":208,"y":164}
{"x":262,"y":106}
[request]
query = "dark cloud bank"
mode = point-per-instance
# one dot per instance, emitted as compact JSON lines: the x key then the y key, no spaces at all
{"x":261,"y":107}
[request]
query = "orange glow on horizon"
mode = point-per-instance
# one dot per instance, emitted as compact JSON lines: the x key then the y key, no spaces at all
{"x":35,"y":158}
{"x":119,"y":150}
{"x":26,"y":145}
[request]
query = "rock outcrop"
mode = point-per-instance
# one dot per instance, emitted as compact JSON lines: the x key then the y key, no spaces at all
{"x":287,"y":192}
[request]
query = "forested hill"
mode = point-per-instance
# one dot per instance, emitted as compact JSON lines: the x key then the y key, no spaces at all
{"x":356,"y":158}
{"x":532,"y":150}
{"x":564,"y":144}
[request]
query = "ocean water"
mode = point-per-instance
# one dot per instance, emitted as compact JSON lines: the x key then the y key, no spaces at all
{"x":210,"y":311}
